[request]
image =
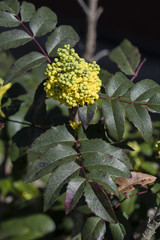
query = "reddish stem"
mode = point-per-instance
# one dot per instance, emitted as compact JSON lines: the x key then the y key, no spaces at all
{"x":138,"y":69}
{"x":132,"y":195}
{"x":116,"y":98}
{"x":33,"y":37}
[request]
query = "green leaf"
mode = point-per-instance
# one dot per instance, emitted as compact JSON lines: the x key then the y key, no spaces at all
{"x":94,"y":228}
{"x":74,"y":192}
{"x":154,"y":102}
{"x":8,"y":20}
{"x":61,"y":36}
{"x":37,"y":111}
{"x":43,"y":21}
{"x":52,"y":137}
{"x":56,"y":182}
{"x":105,"y":180}
{"x":113,"y":118}
{"x":100,"y":146}
{"x":49,"y":160}
{"x":27,"y":228}
{"x":10,"y":5}
{"x":86,"y":114}
{"x":139,"y":116}
{"x":117,"y":230}
{"x":98,"y":202}
{"x":24,"y":64}
{"x":105,"y":163}
{"x":27,"y":10}
{"x":126,"y":56}
{"x":118,"y":85}
{"x":105,"y":76}
{"x":144,"y":90}
{"x":13,"y":39}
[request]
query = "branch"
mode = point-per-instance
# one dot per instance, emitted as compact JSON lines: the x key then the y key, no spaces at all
{"x":93,"y":13}
{"x":84,"y":6}
{"x":152,"y":226}
{"x":100,"y":55}
{"x":34,"y":39}
{"x":138,"y":69}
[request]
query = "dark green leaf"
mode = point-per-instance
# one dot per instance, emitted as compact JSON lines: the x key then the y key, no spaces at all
{"x":24,"y":64}
{"x":113,"y":118}
{"x":46,"y":162}
{"x":52,"y":137}
{"x":139,"y":116}
{"x":126,"y":56}
{"x":154,"y":102}
{"x":117,"y":230}
{"x":61,"y":36}
{"x":86,"y":114}
{"x":118,"y":85}
{"x":98,"y":202}
{"x":39,"y":72}
{"x":8,"y":20}
{"x":27,"y":228}
{"x":43,"y":21}
{"x":105,"y":180}
{"x":105,"y":163}
{"x":13,"y":39}
{"x":93,"y":229}
{"x":27,"y":11}
{"x":74,"y":192}
{"x":56,"y":182}
{"x":37,"y":111}
{"x":10,"y":5}
{"x":144,"y":90}
{"x":105,"y":76}
{"x":98,"y":145}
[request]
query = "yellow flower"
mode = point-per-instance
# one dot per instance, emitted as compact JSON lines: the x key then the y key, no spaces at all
{"x":74,"y":125}
{"x":3,"y":90}
{"x":71,"y":80}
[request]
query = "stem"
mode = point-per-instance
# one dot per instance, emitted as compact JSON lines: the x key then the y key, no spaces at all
{"x":138,"y":69}
{"x":33,"y":37}
{"x":120,"y":100}
{"x":24,"y":123}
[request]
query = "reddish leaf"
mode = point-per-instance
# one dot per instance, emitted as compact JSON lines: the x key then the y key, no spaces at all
{"x":137,"y":178}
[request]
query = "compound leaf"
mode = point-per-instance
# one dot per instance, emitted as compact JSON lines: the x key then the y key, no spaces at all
{"x":46,"y":162}
{"x":10,"y":5}
{"x":144,"y":90}
{"x":74,"y":192}
{"x":24,"y":64}
{"x":113,"y":118}
{"x":52,"y":137}
{"x":98,"y":202}
{"x":27,"y":10}
{"x":8,"y":20}
{"x":126,"y":56}
{"x":117,"y":230}
{"x":62,"y":35}
{"x":105,"y":180}
{"x":86,"y":114}
{"x":94,"y":228}
{"x":139,"y":116}
{"x":43,"y":21}
{"x":118,"y":85}
{"x":154,"y":102}
{"x":56,"y":182}
{"x":13,"y":39}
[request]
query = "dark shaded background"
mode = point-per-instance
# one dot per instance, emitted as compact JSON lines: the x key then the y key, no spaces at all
{"x":137,"y":21}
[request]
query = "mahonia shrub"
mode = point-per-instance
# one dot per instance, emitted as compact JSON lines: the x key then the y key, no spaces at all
{"x":85,"y":157}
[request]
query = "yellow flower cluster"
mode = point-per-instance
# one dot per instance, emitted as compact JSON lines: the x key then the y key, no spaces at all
{"x":3,"y":90}
{"x":71,"y":80}
{"x":74,"y":125}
